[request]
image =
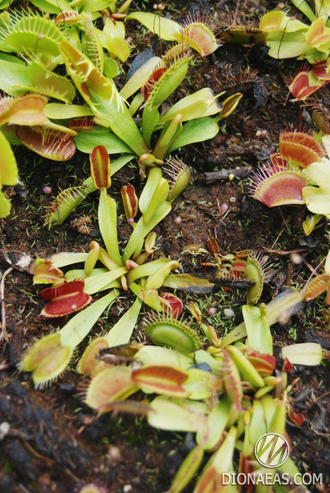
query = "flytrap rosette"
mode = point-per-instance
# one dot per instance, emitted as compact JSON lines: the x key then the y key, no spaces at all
{"x":274,"y":186}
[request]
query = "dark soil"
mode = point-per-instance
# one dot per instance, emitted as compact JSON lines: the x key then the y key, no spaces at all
{"x":55,"y":443}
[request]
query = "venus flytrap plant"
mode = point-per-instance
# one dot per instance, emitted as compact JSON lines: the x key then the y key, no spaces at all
{"x":91,"y":75}
{"x":288,"y":37}
{"x":48,"y":44}
{"x":225,"y":393}
{"x":119,"y":271}
{"x":172,"y":410}
{"x":317,"y":37}
{"x":196,"y":110}
{"x":226,"y":371}
{"x":198,"y":391}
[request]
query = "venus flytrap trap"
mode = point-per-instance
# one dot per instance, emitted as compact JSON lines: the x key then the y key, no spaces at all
{"x":25,"y":123}
{"x":298,"y":175}
{"x":22,"y":113}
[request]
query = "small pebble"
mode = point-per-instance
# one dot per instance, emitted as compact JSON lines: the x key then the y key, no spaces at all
{"x":4,"y":429}
{"x":178,"y":220}
{"x":131,"y":220}
{"x":127,"y":488}
{"x":114,"y":453}
{"x":224,"y":207}
{"x":47,"y":190}
{"x":296,"y":258}
{"x":228,"y":313}
{"x":212,"y":310}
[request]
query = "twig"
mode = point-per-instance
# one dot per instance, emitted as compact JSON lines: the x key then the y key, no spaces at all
{"x":224,"y":174}
{"x":4,"y":333}
{"x":284,"y":252}
{"x":71,"y":475}
{"x":23,"y":489}
{"x":236,"y":11}
{"x":19,"y":434}
{"x":277,"y":239}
